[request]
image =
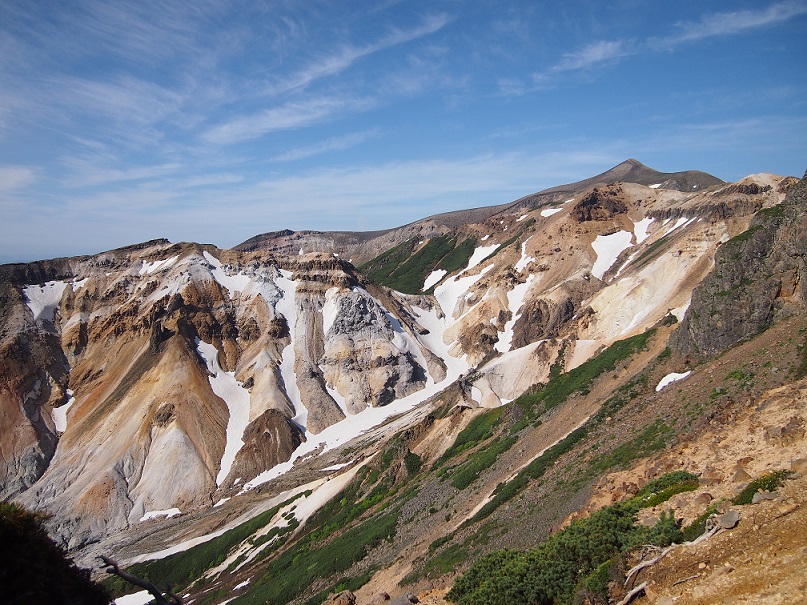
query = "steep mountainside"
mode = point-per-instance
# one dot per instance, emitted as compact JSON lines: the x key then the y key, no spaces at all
{"x":241,"y":416}
{"x":360,"y":247}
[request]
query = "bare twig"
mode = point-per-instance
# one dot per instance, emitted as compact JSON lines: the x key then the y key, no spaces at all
{"x":112,"y":567}
{"x":633,"y":594}
{"x":697,"y":575}
{"x":639,"y":567}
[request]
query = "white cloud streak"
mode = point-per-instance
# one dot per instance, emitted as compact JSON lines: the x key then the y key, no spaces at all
{"x":709,"y":26}
{"x":290,"y":115}
{"x":593,"y":54}
{"x":16,"y":177}
{"x":329,"y":145}
{"x":725,"y":24}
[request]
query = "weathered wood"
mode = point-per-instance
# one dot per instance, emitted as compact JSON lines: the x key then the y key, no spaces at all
{"x":112,"y":567}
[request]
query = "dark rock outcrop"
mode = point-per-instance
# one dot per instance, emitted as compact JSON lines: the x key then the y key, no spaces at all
{"x":599,"y":205}
{"x":758,"y":276}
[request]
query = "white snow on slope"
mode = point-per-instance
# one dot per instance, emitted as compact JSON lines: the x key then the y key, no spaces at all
{"x":237,"y":399}
{"x":157,"y":265}
{"x":521,"y":218}
{"x":358,"y":424}
{"x":640,"y":229}
{"x":670,"y":378}
{"x":79,"y":283}
{"x":480,"y":254}
{"x":515,"y":299}
{"x":550,"y":211}
{"x":434,"y":277}
{"x":288,"y":307}
{"x":154,"y":514}
{"x":656,"y":186}
{"x":44,"y":300}
{"x":191,"y":542}
{"x":233,"y":283}
{"x":137,"y":598}
{"x":524,"y":260}
{"x":608,"y":248}
{"x":59,"y":414}
{"x":330,"y":309}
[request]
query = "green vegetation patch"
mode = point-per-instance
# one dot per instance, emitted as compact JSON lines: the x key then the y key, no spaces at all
{"x":579,"y":379}
{"x":182,"y":568}
{"x":467,"y":472}
{"x":479,"y":429}
{"x":297,"y":568}
{"x":579,"y":555}
{"x":401,"y":269}
{"x":766,"y":483}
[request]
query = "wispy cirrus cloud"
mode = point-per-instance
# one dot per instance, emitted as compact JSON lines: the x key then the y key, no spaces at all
{"x":345,"y":55}
{"x":89,"y":173}
{"x":296,"y":114}
{"x":333,"y":144}
{"x":16,"y":177}
{"x":593,"y":54}
{"x":729,"y":23}
{"x":708,"y":26}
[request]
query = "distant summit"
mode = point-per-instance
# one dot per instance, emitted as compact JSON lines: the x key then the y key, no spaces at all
{"x":362,"y":246}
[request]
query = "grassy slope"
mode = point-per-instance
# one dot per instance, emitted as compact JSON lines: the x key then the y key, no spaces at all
{"x":397,"y":497}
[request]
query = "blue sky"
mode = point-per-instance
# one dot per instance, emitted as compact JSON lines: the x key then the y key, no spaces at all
{"x":213,"y":121}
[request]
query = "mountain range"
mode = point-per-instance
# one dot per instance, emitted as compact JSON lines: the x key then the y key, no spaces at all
{"x":311,"y":412}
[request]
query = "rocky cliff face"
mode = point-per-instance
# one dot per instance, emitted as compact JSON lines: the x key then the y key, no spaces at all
{"x":170,"y":374}
{"x":160,"y":377}
{"x":759,"y":276}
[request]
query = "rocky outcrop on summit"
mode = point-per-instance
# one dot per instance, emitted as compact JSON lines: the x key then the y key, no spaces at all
{"x":758,"y":275}
{"x":600,"y":205}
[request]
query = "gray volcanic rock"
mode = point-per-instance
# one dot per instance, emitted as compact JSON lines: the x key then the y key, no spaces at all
{"x":367,"y":356}
{"x":758,"y":275}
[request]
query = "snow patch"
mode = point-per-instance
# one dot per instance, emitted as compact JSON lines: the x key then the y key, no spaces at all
{"x":220,"y":502}
{"x":640,"y":229}
{"x":242,"y":584}
{"x":607,"y":249}
{"x":679,"y":312}
{"x":44,"y":300}
{"x":655,"y":186}
{"x":287,"y":306}
{"x":670,"y":378}
{"x":524,"y":260}
{"x":330,"y":309}
{"x":515,"y":299}
{"x":433,"y":278}
{"x":484,"y":238}
{"x":480,"y":254}
{"x":550,"y":211}
{"x":335,"y":467}
{"x":137,"y":598}
{"x":155,"y":514}
{"x":157,"y":265}
{"x":79,"y":283}
{"x":521,"y":218}
{"x":237,"y":399}
{"x":234,"y":283}
{"x":59,"y":414}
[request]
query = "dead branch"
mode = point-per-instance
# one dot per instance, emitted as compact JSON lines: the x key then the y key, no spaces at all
{"x":112,"y":567}
{"x":697,"y":575}
{"x":633,"y":594}
{"x":639,"y":567}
